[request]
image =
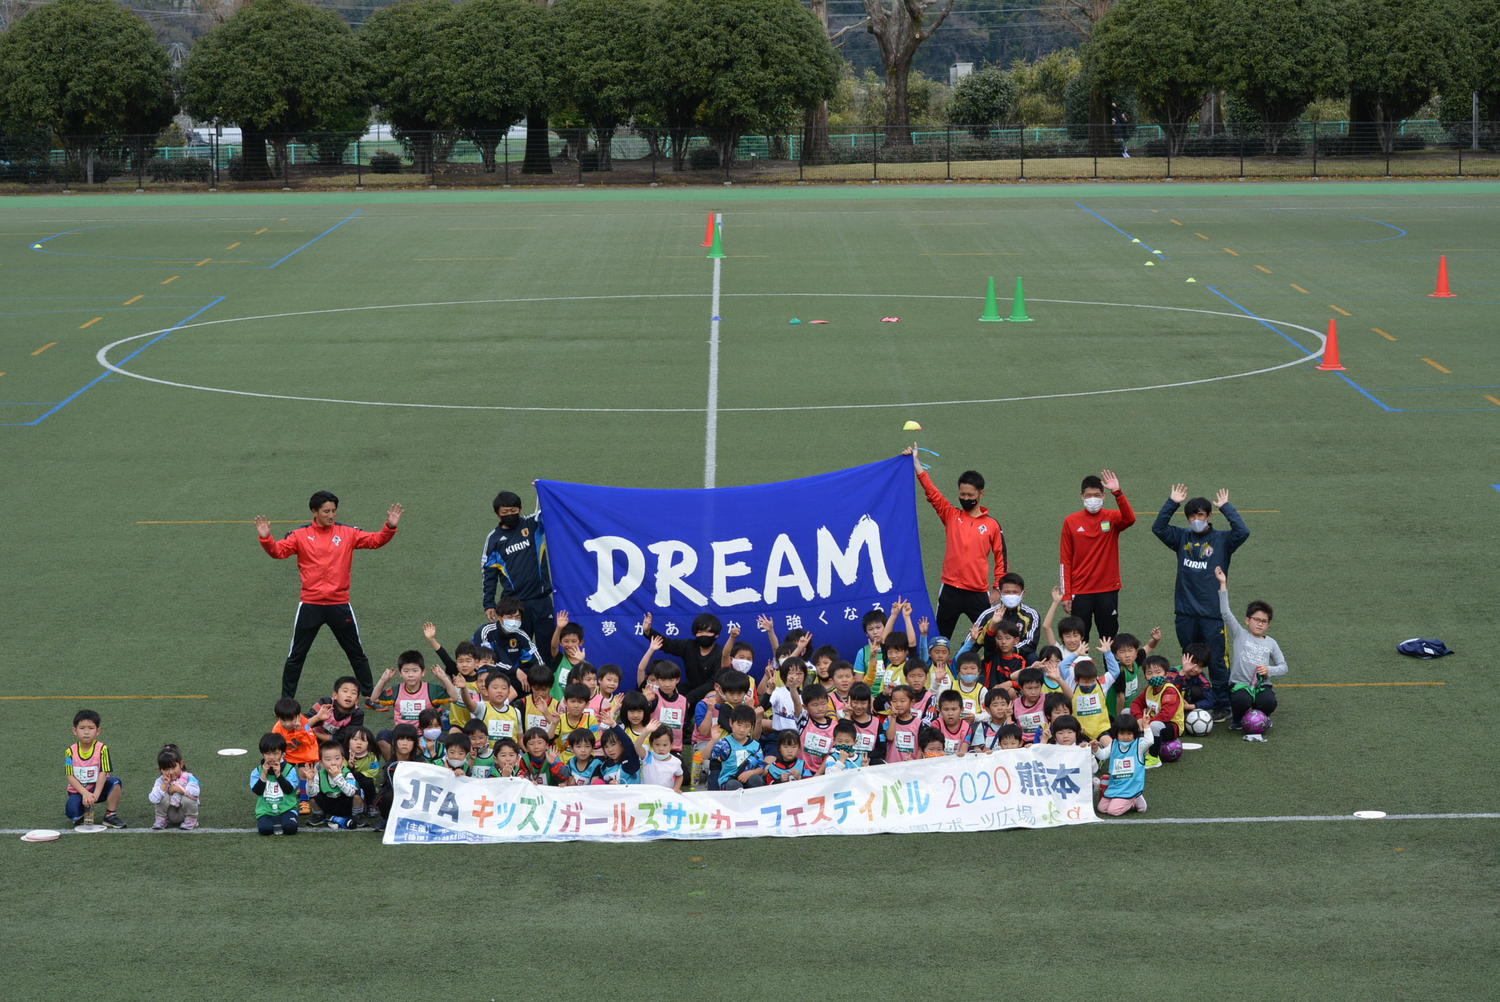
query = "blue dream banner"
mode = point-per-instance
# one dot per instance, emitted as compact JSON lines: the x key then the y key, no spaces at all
{"x":815,"y":554}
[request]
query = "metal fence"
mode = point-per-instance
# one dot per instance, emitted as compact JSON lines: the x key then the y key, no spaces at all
{"x":639,"y":157}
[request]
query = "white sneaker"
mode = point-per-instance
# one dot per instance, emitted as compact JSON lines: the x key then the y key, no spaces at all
{"x":1255,"y":737}
{"x":1126,"y":154}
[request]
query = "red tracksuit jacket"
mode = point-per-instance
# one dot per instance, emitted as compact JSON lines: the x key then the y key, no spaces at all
{"x":972,"y":537}
{"x":325,"y":557}
{"x":1090,"y":549}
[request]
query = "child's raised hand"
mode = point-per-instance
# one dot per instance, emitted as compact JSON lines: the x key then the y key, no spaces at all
{"x":1106,"y":644}
{"x":583,"y":654}
{"x":922,"y":625}
{"x":429,"y":630}
{"x":656,"y":641}
{"x":1057,"y":593}
{"x":974,"y":632}
{"x":764,"y":623}
{"x":1156,"y":634}
{"x":1219,"y":573}
{"x":646,"y":621}
{"x":562,"y":618}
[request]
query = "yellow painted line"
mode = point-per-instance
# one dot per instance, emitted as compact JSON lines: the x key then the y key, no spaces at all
{"x":258,"y":232}
{"x":1175,"y":222}
{"x":1261,"y":267}
{"x":1488,"y":396}
{"x":89,"y":699}
{"x":233,"y":245}
{"x":282,"y":219}
{"x":85,"y":326}
{"x":1299,"y":288}
{"x":938,"y":254}
{"x":44,"y":347}
{"x":1348,"y":685}
{"x":463,"y":259}
{"x":1200,"y":236}
{"x":203,"y":262}
{"x":1441,"y":368}
{"x":1339,"y":310}
{"x":132,"y":299}
{"x":1,"y":373}
{"x":237,"y":521}
{"x":1234,"y":253}
{"x":171,"y":280}
{"x":1383,"y":334}
{"x":689,"y":257}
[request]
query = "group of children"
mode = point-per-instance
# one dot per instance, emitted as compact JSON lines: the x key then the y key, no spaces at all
{"x":564,"y":722}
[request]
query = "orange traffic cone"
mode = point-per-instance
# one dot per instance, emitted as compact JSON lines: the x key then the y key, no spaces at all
{"x":1331,"y":350}
{"x":1442,"y":291}
{"x":708,"y":236}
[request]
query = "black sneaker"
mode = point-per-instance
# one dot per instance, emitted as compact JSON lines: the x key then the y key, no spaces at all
{"x":112,"y":820}
{"x":315,"y":819}
{"x":1220,"y":716}
{"x":78,"y":821}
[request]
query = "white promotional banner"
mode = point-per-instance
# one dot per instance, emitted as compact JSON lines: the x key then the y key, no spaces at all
{"x":1041,"y":787}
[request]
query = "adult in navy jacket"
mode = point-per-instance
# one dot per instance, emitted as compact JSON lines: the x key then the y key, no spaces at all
{"x":1201,"y":548}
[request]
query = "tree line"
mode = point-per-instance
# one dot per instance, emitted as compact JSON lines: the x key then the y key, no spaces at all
{"x":88,"y":71}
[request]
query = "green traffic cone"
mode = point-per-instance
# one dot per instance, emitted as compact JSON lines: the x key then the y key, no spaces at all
{"x":1018,"y":305}
{"x":717,"y":250}
{"x":991,"y":310}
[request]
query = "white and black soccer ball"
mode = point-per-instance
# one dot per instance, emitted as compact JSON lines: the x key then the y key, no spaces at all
{"x":1199,"y":722}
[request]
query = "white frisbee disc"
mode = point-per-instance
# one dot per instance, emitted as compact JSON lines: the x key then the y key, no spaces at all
{"x":89,"y":829}
{"x":231,"y":751}
{"x":41,"y":835}
{"x":1369,"y":815}
{"x":1191,"y":746}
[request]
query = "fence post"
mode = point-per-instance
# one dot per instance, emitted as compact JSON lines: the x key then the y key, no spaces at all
{"x":359,"y":167}
{"x":140,"y":165}
{"x":505,"y":152}
{"x":1169,"y":156}
{"x":875,"y":154}
{"x":1023,"y":152}
{"x":948,"y":135}
{"x":1315,"y":149}
{"x":1460,"y":148}
{"x":1242,"y":155}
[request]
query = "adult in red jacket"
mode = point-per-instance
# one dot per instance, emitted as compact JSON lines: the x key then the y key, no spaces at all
{"x":973,"y":537}
{"x":1089,"y":551}
{"x":325,"y":554}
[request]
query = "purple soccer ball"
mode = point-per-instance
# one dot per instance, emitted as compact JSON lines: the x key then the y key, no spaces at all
{"x":1254,"y":722}
{"x":1171,"y":751}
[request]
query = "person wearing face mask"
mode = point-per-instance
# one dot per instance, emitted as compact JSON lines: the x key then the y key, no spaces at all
{"x":515,"y":652}
{"x":515,"y":565}
{"x":701,"y":654}
{"x":1202,"y":550}
{"x":974,"y":537}
{"x":1089,"y":552}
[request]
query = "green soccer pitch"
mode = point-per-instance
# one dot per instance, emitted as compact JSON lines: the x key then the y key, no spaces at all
{"x":174,"y":365}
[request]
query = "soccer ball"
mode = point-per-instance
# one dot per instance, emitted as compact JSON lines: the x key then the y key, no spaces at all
{"x":1199,"y":722}
{"x":1254,"y":722}
{"x":1171,"y":751}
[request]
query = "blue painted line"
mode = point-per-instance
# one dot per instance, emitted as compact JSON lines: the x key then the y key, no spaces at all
{"x":1496,"y":486}
{"x":1127,"y":236}
{"x":1266,"y":323}
{"x":320,"y":236}
{"x":106,"y":374}
{"x":1261,"y":320}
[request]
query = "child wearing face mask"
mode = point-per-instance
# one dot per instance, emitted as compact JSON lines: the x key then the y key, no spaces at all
{"x":701,"y":654}
{"x":1012,"y":592}
{"x":971,"y":691}
{"x":1159,"y":707}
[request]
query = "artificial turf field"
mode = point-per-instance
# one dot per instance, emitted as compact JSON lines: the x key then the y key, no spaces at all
{"x":135,"y":585}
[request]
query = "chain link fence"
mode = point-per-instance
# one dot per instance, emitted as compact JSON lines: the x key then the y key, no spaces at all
{"x":584,"y":157}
